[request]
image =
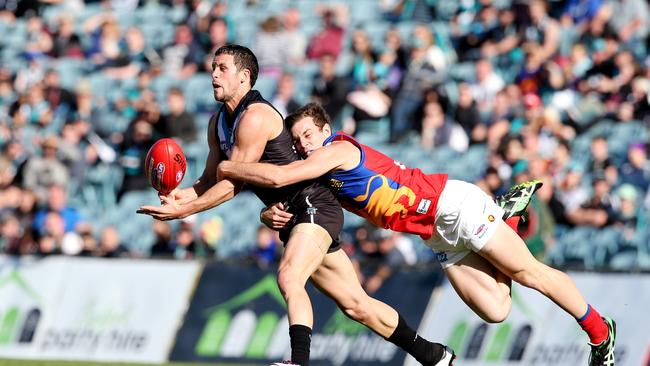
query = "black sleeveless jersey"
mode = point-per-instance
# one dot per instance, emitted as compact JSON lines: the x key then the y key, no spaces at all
{"x":278,"y":151}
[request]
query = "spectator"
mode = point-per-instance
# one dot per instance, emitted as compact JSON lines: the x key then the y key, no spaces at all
{"x":105,"y":49}
{"x":283,"y":99}
{"x":267,"y":247}
{"x":468,"y":116}
{"x":296,"y":40}
{"x":630,"y":19}
{"x":438,"y":130}
{"x":329,"y":89}
{"x":66,"y":42}
{"x":162,"y":247}
{"x":182,"y":58}
{"x":368,"y":98}
{"x":329,"y":40}
{"x":184,"y":243}
{"x":110,"y":245}
{"x":626,"y":213}
{"x":39,"y":41}
{"x":217,"y":37}
{"x":541,"y":35}
{"x":57,"y":202}
{"x":89,"y":242}
{"x":270,"y":48}
{"x":132,"y":154}
{"x":41,"y":172}
{"x":51,"y":238}
{"x":601,"y":163}
{"x":636,"y":170}
{"x":486,"y":87}
{"x":423,"y":72}
{"x":11,"y":233}
{"x":178,"y":122}
{"x":395,"y":251}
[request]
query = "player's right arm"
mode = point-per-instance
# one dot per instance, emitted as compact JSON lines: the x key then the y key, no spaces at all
{"x":209,"y":176}
{"x":338,"y":155}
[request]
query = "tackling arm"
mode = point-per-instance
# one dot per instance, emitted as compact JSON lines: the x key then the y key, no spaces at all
{"x":320,"y":162}
{"x":251,"y":136}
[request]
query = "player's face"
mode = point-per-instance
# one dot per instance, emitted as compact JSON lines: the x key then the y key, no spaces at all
{"x":308,"y":137}
{"x":225,"y":77}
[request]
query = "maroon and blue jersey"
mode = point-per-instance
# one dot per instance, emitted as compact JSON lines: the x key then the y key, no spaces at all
{"x":386,"y":192}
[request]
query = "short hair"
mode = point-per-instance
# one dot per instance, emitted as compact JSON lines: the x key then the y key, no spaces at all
{"x":313,"y":110}
{"x":243,"y":58}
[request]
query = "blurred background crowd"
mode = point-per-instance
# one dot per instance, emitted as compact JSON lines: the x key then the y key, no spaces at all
{"x":491,"y":91}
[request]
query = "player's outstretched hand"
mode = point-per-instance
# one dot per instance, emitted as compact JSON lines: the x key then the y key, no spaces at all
{"x":169,"y":210}
{"x":275,"y":216}
{"x":180,"y":196}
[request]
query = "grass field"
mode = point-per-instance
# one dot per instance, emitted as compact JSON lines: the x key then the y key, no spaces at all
{"x":4,"y":362}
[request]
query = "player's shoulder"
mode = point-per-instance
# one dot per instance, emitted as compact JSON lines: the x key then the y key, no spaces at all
{"x":261,"y":110}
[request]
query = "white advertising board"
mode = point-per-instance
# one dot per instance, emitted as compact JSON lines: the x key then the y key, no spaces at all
{"x":537,"y":332}
{"x":96,"y":309}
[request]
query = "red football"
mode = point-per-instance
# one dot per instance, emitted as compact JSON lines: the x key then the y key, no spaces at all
{"x":165,"y":165}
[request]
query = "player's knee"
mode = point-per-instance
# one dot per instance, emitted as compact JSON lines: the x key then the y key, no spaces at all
{"x":287,"y":280}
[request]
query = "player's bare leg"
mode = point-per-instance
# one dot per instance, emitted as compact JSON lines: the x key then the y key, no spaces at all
{"x":508,"y":252}
{"x":484,"y":288}
{"x":304,"y":252}
{"x":337,"y":278}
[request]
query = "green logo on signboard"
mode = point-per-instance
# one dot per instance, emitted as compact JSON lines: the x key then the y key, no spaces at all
{"x":18,"y":322}
{"x":220,"y":320}
{"x":505,"y":342}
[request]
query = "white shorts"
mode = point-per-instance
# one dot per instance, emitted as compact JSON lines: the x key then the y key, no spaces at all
{"x":466,"y":218}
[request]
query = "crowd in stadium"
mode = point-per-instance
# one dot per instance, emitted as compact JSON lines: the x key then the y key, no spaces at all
{"x":558,"y":91}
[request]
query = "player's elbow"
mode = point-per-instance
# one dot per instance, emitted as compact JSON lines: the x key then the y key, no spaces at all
{"x":277,"y":180}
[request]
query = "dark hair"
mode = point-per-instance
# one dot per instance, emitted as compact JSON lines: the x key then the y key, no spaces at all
{"x":313,"y":110}
{"x":243,"y":57}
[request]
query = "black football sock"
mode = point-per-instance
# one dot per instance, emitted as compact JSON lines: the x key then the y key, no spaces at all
{"x":422,"y":350}
{"x":300,"y":341}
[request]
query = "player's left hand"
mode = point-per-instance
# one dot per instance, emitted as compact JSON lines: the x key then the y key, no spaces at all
{"x":169,"y":210}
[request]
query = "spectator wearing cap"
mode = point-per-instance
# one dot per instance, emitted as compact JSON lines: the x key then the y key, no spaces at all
{"x":41,"y":172}
{"x":636,"y":170}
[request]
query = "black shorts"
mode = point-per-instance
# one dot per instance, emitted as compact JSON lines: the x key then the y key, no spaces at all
{"x":321,"y":209}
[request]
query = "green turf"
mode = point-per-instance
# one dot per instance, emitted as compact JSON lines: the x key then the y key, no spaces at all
{"x":4,"y":362}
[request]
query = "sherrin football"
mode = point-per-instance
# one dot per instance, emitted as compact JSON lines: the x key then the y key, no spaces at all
{"x":165,"y":165}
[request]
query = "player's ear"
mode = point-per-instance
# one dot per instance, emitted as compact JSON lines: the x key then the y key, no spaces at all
{"x":244,"y":76}
{"x":327,"y":129}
